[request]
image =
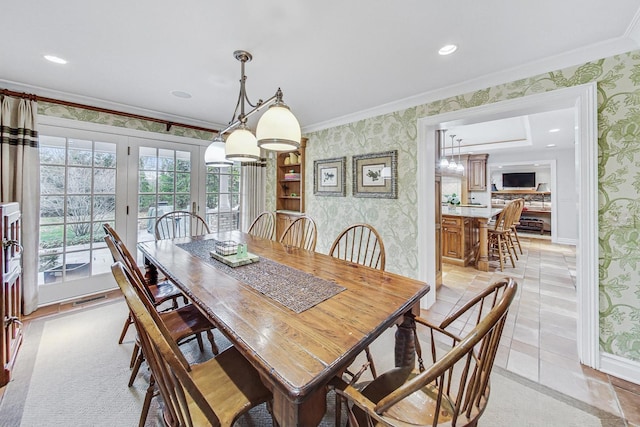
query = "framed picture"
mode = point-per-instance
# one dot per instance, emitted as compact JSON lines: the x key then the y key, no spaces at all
{"x":376,"y":175}
{"x":329,"y":177}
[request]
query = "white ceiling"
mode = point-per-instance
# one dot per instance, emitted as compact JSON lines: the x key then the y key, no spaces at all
{"x":553,"y":130}
{"x":336,"y":61}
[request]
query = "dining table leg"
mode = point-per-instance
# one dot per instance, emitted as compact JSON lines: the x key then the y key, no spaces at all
{"x":483,"y":246}
{"x":151,"y":273}
{"x":306,"y":413}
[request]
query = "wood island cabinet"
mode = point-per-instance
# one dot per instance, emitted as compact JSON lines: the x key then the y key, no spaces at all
{"x":290,"y":187}
{"x":459,"y":238}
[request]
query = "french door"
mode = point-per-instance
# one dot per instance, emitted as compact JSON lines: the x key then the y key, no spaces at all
{"x":80,"y":174}
{"x":166,"y":180}
{"x":89,"y":178}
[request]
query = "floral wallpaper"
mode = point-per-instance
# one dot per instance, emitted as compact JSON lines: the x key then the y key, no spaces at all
{"x":618,"y":83}
{"x":74,"y":113}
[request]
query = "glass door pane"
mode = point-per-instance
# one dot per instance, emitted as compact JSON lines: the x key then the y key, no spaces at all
{"x":78,"y":183}
{"x":166,"y":182}
{"x":223,"y":198}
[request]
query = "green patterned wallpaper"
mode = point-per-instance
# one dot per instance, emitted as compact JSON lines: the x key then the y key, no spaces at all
{"x":73,"y":113}
{"x":618,"y":82}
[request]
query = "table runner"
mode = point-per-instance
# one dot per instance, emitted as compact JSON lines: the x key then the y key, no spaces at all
{"x":295,"y":289}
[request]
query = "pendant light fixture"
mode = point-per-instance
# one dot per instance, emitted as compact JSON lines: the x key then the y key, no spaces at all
{"x":444,"y":162}
{"x":452,"y":162}
{"x":460,"y":167}
{"x":277,"y":130}
{"x":214,"y":156}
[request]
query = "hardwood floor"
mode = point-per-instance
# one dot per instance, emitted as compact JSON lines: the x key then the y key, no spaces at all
{"x":539,"y":341}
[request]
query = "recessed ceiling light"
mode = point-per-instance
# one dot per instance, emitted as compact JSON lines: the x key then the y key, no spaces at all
{"x":550,"y":145}
{"x":181,"y":94}
{"x":554,"y":130}
{"x":55,"y":59}
{"x":448,"y":49}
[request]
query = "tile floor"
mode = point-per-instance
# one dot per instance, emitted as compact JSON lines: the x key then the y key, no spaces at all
{"x":539,"y":341}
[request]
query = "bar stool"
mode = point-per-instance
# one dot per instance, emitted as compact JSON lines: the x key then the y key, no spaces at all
{"x":499,"y":237}
{"x":516,"y":223}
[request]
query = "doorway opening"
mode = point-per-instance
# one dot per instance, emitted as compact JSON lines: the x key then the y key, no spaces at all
{"x":583,"y":100}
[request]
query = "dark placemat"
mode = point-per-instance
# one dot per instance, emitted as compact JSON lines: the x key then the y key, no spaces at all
{"x":295,"y":289}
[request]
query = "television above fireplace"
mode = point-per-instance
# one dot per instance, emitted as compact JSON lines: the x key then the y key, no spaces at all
{"x":519,"y":180}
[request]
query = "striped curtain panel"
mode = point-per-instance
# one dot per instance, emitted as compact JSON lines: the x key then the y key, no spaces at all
{"x":20,"y":171}
{"x":253,"y":179}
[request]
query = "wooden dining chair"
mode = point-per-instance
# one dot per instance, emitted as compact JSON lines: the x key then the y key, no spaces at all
{"x":184,"y":323}
{"x":159,"y":293}
{"x":180,"y":224}
{"x":302,"y":233}
{"x":264,"y":226}
{"x":213,"y":393}
{"x":360,"y":244}
{"x":454,"y":389}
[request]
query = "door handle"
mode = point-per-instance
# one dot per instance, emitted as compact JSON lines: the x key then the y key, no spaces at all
{"x":8,"y":321}
{"x":9,"y":243}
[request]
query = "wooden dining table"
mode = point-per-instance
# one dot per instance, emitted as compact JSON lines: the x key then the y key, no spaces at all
{"x":296,"y":351}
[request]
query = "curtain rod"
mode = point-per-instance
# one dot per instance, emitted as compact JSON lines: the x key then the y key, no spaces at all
{"x":167,"y":123}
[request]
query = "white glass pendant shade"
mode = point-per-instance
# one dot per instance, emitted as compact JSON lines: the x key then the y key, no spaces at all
{"x":215,"y":156}
{"x":241,"y":146}
{"x":452,"y":164}
{"x":460,"y":168}
{"x":278,"y":129}
{"x":444,"y":162}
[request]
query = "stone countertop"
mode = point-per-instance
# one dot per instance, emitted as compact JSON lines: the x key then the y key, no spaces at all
{"x":469,"y":212}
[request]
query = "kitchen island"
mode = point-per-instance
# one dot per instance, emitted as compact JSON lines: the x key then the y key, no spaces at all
{"x":464,"y":230}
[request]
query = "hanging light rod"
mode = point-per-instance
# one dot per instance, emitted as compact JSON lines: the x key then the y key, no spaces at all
{"x":277,"y":130}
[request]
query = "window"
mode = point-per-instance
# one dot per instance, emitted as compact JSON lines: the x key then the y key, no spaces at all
{"x":223,"y":198}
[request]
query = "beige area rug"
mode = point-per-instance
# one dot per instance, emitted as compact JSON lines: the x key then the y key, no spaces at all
{"x":72,"y":372}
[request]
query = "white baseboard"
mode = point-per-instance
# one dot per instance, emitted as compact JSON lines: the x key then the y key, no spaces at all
{"x":566,"y":241}
{"x":626,"y":369}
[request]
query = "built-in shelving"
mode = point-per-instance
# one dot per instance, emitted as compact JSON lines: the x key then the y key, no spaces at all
{"x":289,"y":191}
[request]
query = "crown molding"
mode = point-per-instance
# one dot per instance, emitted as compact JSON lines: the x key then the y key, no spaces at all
{"x":633,"y":31}
{"x":596,"y":51}
{"x":101,"y":103}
